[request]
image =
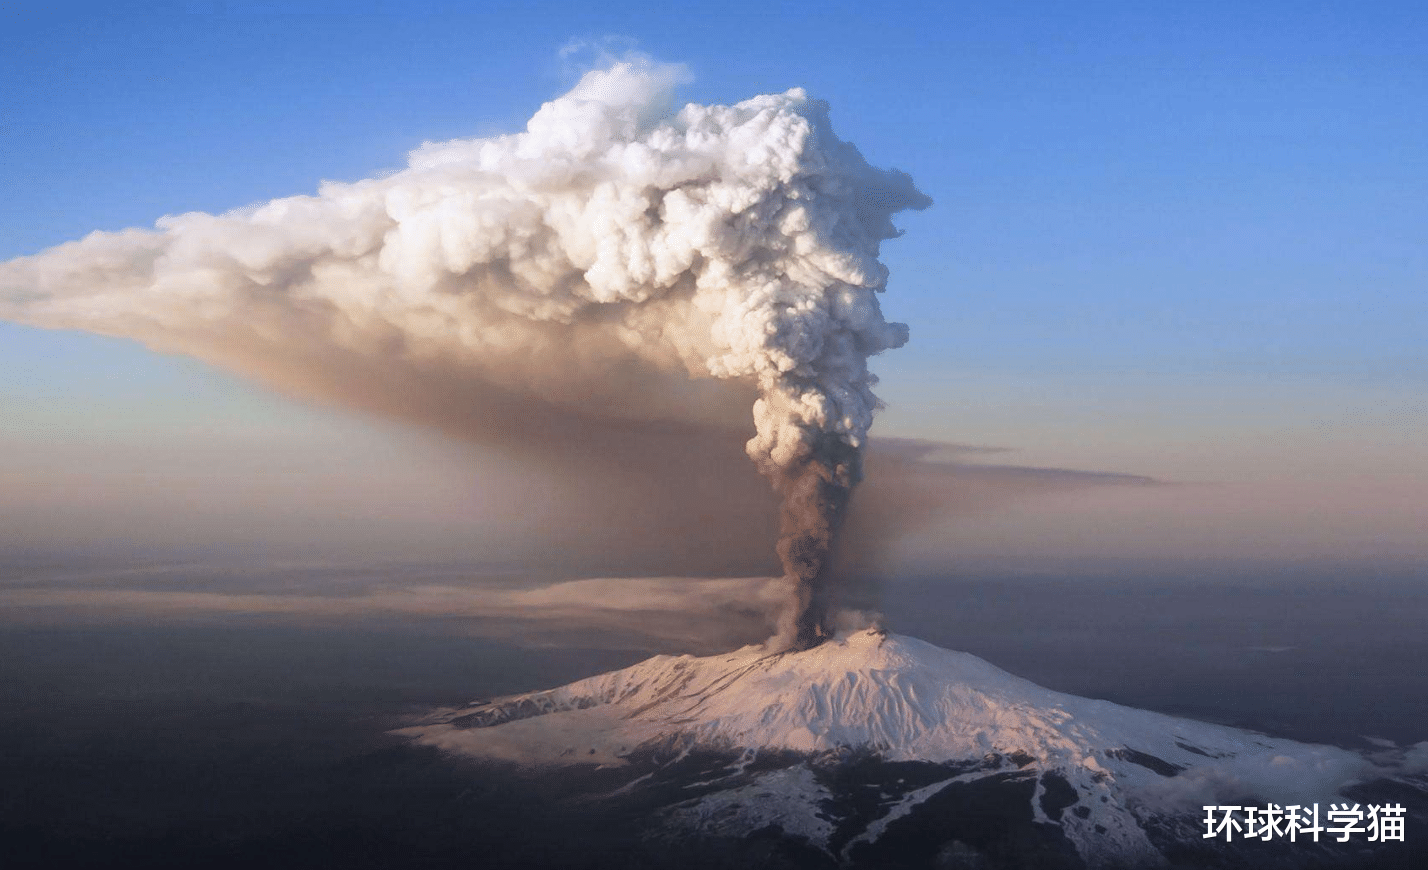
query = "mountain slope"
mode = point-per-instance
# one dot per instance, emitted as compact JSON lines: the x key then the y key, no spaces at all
{"x":859,"y":741}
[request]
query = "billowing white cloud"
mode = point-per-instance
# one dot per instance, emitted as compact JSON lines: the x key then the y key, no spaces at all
{"x":592,"y":267}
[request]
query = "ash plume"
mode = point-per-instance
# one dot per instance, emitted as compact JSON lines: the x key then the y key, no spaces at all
{"x":618,"y":267}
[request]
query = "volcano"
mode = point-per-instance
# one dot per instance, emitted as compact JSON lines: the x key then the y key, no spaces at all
{"x":874,"y":749}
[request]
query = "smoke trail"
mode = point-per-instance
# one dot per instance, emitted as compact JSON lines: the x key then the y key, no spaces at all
{"x":616,"y":261}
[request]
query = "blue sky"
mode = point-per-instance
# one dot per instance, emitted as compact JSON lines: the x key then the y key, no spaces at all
{"x":1178,"y":240}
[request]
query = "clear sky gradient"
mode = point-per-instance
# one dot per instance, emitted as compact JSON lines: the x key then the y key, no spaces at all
{"x":1185,"y":241}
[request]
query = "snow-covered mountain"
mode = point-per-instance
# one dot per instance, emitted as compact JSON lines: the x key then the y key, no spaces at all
{"x":875,"y":747}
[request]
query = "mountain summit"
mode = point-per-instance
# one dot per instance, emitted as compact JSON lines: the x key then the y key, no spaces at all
{"x":874,"y":746}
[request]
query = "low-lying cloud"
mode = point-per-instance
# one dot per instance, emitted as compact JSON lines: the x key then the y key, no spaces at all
{"x":684,"y":613}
